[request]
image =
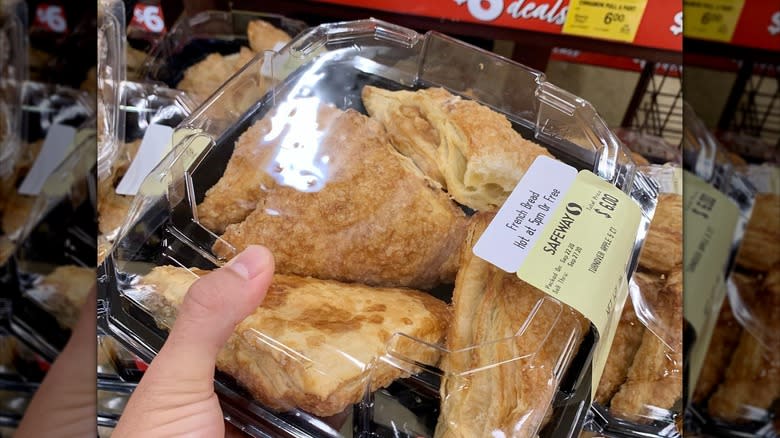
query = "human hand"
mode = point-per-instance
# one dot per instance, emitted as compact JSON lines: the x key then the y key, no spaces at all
{"x":65,"y":402}
{"x":176,"y":395}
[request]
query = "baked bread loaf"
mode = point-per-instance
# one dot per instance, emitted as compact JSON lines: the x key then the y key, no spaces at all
{"x":264,"y":35}
{"x":663,"y":247}
{"x":628,"y":338}
{"x":725,"y":337}
{"x":348,"y":206}
{"x":752,"y":379}
{"x":654,"y":380}
{"x":760,"y":248}
{"x":113,"y":208}
{"x":16,"y":213}
{"x":469,"y":149}
{"x":64,"y":291}
{"x":518,"y":371}
{"x":201,"y":80}
{"x":312,"y":344}
{"x":639,"y":159}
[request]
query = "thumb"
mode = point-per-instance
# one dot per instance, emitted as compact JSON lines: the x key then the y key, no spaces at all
{"x":212,"y":308}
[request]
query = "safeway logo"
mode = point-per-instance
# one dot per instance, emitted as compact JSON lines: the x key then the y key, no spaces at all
{"x":489,"y":10}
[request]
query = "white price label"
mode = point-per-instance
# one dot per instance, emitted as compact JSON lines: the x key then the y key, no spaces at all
{"x":507,"y":240}
{"x":56,"y":146}
{"x":154,"y":146}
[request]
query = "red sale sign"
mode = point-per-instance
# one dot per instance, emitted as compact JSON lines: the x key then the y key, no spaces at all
{"x":540,"y":15}
{"x":148,"y":18}
{"x":50,"y":18}
{"x":759,"y":25}
{"x":655,"y":30}
{"x":662,"y":25}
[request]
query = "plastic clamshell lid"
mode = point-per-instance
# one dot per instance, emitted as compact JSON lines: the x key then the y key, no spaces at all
{"x":312,"y":81}
{"x":213,"y":31}
{"x":13,"y":73}
{"x":111,"y":71}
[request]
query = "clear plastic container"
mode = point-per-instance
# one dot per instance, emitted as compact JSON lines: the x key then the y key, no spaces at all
{"x":641,"y":390}
{"x":750,"y":148}
{"x":758,"y":258}
{"x":13,"y":73}
{"x":111,"y":72}
{"x":56,"y":257}
{"x":311,"y":118}
{"x":105,"y":352}
{"x":737,"y":390}
{"x":144,"y":31}
{"x":115,"y":362}
{"x":14,"y":398}
{"x":652,"y":147}
{"x":707,"y":159}
{"x":18,"y":363}
{"x":112,"y":396}
{"x":140,"y":106}
{"x":45,"y":106}
{"x":192,"y":39}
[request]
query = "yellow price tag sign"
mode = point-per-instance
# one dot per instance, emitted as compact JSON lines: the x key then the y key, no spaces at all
{"x":613,"y":20}
{"x":712,"y":19}
{"x":570,"y":234}
{"x":710,"y":220}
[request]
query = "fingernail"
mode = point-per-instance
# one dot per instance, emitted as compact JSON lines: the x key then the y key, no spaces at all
{"x":250,"y":263}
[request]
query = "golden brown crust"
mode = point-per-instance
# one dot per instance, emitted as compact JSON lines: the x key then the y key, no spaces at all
{"x":126,"y":156}
{"x":663,"y":247}
{"x":16,"y":212}
{"x":628,"y":338}
{"x":725,"y":337}
{"x":240,"y":190}
{"x":90,"y":83}
{"x":510,"y":394}
{"x":7,"y":249}
{"x":28,"y":156}
{"x":135,"y":62}
{"x":752,"y":380}
{"x":371,"y":217}
{"x":63,"y":292}
{"x":739,"y":163}
{"x":760,"y":248}
{"x":466,"y":147}
{"x":310,"y":343}
{"x":655,"y":377}
{"x":264,"y":35}
{"x":201,"y":80}
{"x":113,"y":209}
{"x":639,"y":159}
